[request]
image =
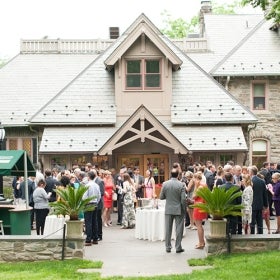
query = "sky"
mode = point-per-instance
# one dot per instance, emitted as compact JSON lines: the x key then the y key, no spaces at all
{"x":81,"y":19}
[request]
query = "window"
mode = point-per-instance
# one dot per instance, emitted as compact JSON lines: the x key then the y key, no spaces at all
{"x":259,"y":152}
{"x":143,"y":74}
{"x":27,"y":144}
{"x":225,"y":158}
{"x":259,"y":96}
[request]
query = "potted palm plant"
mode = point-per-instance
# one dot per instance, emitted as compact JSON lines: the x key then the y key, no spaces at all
{"x":219,"y":203}
{"x":71,"y":203}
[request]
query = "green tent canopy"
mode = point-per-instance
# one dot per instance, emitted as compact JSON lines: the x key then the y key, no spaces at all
{"x":12,"y":164}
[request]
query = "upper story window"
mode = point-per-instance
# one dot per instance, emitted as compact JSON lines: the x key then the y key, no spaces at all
{"x":143,"y":74}
{"x":259,"y":96}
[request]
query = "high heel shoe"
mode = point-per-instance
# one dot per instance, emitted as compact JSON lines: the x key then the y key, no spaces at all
{"x":199,"y":246}
{"x":105,"y":225}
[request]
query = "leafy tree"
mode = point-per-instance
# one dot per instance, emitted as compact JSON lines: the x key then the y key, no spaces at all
{"x":271,"y":7}
{"x":179,"y":28}
{"x":2,"y":62}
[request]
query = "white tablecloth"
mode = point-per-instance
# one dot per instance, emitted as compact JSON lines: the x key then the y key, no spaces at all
{"x":54,"y":225}
{"x":150,"y":224}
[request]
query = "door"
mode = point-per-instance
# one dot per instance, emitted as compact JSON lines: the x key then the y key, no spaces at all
{"x":158,"y":163}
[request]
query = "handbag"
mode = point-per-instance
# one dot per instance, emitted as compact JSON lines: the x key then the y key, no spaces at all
{"x":115,"y":196}
{"x":189,"y":201}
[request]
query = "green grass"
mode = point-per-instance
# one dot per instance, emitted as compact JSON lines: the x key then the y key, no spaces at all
{"x":257,"y":266}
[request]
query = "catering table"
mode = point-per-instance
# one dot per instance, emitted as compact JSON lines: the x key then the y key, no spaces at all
{"x":150,"y":224}
{"x":54,"y":225}
{"x":16,"y":219}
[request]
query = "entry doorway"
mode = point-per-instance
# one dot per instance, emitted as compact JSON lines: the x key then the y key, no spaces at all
{"x":158,"y":163}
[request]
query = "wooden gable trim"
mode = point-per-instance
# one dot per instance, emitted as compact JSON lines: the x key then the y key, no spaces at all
{"x":148,"y":127}
{"x":143,"y":29}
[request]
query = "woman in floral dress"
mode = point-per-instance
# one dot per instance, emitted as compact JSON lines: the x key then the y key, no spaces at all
{"x":247,"y":200}
{"x":129,"y":190}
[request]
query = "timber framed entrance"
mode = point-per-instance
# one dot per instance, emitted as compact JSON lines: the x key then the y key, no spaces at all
{"x":158,"y":163}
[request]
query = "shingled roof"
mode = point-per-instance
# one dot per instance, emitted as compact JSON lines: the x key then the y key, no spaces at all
{"x":263,"y":59}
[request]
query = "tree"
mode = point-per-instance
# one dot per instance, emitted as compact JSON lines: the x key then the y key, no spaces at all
{"x":271,"y":7}
{"x":179,"y":28}
{"x":2,"y":62}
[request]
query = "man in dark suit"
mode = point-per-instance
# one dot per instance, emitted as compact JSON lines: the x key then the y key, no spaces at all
{"x":51,"y":184}
{"x":232,"y":220}
{"x":174,"y":192}
{"x":139,"y":182}
{"x":259,"y":200}
{"x":100,"y":204}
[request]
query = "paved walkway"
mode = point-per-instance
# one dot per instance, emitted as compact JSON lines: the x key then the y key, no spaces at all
{"x":124,"y":255}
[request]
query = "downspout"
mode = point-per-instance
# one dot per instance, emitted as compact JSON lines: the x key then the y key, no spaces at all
{"x":37,"y":136}
{"x":250,"y":127}
{"x":227,"y":82}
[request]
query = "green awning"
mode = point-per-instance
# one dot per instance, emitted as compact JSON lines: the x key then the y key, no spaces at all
{"x":12,"y":163}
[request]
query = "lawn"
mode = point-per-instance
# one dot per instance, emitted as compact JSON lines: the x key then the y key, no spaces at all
{"x":228,"y":267}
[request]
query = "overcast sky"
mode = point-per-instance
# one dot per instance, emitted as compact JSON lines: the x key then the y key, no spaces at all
{"x":80,"y":19}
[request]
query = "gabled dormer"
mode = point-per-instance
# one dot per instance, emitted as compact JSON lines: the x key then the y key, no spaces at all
{"x":143,"y":65}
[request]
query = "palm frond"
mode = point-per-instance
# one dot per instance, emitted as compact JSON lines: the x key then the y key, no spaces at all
{"x":219,"y":202}
{"x":71,"y":202}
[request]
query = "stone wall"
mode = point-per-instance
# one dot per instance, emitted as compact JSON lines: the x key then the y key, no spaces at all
{"x":268,"y":127}
{"x":242,"y":244}
{"x":35,"y":248}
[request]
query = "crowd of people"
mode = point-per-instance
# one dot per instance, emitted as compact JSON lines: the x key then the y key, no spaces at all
{"x":120,"y":192}
{"x":111,"y":190}
{"x":260,"y":194}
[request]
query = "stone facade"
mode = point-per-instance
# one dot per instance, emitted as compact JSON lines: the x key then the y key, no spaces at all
{"x":35,"y":248}
{"x":268,"y":127}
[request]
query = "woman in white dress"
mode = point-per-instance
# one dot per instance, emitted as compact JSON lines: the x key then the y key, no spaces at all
{"x":247,"y":199}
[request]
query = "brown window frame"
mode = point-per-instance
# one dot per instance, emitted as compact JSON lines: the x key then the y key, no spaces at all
{"x":143,"y":74}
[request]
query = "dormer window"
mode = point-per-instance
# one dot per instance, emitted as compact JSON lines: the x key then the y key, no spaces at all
{"x":143,"y":74}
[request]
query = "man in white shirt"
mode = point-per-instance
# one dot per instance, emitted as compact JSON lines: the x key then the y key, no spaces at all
{"x":91,"y":216}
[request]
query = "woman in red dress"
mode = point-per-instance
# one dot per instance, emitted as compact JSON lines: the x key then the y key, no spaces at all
{"x":199,"y":215}
{"x":109,"y":188}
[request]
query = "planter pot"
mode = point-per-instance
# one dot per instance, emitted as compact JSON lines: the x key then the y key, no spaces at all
{"x":74,"y":229}
{"x":218,"y":228}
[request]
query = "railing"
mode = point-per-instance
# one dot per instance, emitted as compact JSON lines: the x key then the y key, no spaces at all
{"x":97,"y":45}
{"x":64,"y":46}
{"x":191,"y":44}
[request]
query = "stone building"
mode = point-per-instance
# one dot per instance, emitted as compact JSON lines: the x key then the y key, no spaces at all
{"x":138,"y":99}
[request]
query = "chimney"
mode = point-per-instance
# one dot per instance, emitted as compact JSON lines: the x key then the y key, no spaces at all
{"x":206,"y":8}
{"x":114,"y":32}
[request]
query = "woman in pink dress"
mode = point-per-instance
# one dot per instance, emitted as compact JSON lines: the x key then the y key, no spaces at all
{"x":199,"y":215}
{"x":150,"y":186}
{"x":109,"y":188}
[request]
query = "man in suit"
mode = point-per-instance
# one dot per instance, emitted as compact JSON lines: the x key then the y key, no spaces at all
{"x":232,"y":220}
{"x":174,"y":192}
{"x":259,"y":200}
{"x":139,"y":182}
{"x":100,"y":204}
{"x":51,"y":184}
